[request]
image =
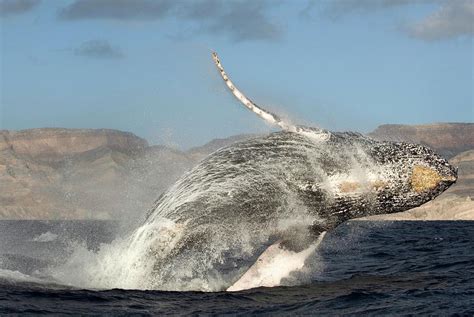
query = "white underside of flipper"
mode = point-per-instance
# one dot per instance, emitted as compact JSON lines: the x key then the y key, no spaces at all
{"x":313,"y":133}
{"x":274,"y":264}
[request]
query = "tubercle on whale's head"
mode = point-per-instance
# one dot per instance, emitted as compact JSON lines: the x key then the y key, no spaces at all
{"x":418,"y":174}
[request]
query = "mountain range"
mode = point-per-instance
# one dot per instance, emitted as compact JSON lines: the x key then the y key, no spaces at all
{"x":54,"y":173}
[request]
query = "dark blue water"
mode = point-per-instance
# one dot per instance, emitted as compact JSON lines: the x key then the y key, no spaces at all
{"x":362,"y":268}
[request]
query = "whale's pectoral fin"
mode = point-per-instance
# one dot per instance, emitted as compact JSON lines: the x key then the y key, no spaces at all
{"x":274,"y":264}
{"x":262,"y":113}
{"x":271,"y":118}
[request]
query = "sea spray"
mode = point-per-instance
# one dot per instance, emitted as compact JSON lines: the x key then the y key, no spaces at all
{"x":125,"y":263}
{"x":213,"y":223}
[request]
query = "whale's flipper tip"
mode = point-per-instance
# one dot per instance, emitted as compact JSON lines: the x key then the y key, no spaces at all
{"x":267,"y":116}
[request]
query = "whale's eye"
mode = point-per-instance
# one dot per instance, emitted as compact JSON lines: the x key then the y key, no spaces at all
{"x":424,"y":178}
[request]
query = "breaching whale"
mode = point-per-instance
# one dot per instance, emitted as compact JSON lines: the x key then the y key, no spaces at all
{"x":275,"y":196}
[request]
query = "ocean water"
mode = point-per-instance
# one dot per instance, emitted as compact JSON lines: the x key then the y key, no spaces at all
{"x":361,"y":268}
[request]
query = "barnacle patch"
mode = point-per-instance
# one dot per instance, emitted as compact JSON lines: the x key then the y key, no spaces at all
{"x":424,"y":178}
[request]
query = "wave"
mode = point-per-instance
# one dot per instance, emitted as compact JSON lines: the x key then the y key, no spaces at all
{"x":16,"y":276}
{"x":45,"y":237}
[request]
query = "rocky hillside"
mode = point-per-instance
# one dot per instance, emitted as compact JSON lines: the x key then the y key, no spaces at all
{"x":465,"y":184}
{"x":82,"y":174}
{"x":56,"y":144}
{"x":104,"y":174}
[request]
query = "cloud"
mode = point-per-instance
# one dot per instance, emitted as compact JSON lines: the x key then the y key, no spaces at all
{"x":116,"y":9}
{"x":98,"y":49}
{"x":240,"y":20}
{"x":455,"y":18}
{"x":338,"y":8}
{"x":13,"y":7}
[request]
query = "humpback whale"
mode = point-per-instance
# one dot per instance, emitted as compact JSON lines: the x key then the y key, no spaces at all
{"x":275,"y":195}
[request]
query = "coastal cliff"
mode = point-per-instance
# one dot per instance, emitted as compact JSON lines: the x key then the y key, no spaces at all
{"x":50,"y":144}
{"x":108,"y":174}
{"x":81,"y":174}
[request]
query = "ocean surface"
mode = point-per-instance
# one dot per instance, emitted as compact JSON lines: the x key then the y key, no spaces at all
{"x":361,"y":268}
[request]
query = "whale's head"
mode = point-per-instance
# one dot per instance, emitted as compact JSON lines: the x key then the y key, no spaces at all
{"x":415,"y":174}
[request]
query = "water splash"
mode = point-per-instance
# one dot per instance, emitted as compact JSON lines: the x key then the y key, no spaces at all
{"x":45,"y":237}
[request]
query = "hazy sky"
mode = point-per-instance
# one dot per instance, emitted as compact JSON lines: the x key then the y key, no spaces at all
{"x":144,"y":66}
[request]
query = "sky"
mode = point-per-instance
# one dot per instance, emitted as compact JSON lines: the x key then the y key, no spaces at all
{"x":145,"y":66}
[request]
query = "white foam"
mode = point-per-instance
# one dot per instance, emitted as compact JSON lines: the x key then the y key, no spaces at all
{"x":125,"y":263}
{"x":45,"y":237}
{"x":17,"y":276}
